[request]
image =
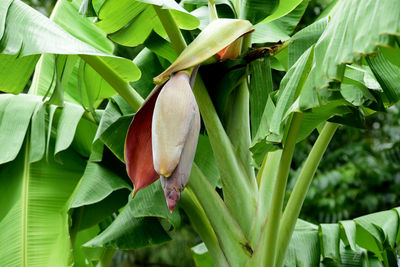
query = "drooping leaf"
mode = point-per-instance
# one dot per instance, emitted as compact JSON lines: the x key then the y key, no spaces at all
{"x":257,"y":10}
{"x":387,"y":75}
{"x":120,"y":19}
{"x":15,"y":114}
{"x":150,"y":65}
{"x":215,"y":37}
{"x":68,"y":121}
{"x":343,"y":42}
{"x":284,"y":7}
{"x":100,"y":193}
{"x":161,"y":47}
{"x":304,"y":248}
{"x":97,"y":183}
{"x":304,"y":39}
{"x":280,"y":29}
{"x":39,"y":35}
{"x":136,"y":226}
{"x":330,"y":242}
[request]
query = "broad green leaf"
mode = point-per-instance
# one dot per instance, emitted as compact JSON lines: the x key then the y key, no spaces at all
{"x":387,"y":74}
{"x":84,"y":136}
{"x":65,"y":14}
{"x":257,"y":10}
{"x":284,"y":7}
{"x":16,"y":113}
{"x":83,"y":257}
{"x":150,"y":66}
{"x":392,"y":54}
{"x":84,"y":85}
{"x":304,"y":248}
{"x":102,"y":191}
{"x":291,"y":86}
{"x":114,"y":125}
{"x":348,"y":233}
{"x":374,"y":233}
{"x":130,"y":22}
{"x":15,"y":72}
{"x":136,"y":226}
{"x":216,"y":36}
{"x":201,"y":256}
{"x":97,"y":183}
{"x":330,"y":241}
{"x":280,"y":29}
{"x":304,"y":39}
{"x":374,"y":229}
{"x":161,"y":47}
{"x":347,"y":38}
{"x":39,"y":35}
{"x":34,"y":213}
{"x":113,"y":128}
{"x":67,"y":123}
{"x":114,"y":136}
{"x":130,"y":233}
{"x":268,"y":33}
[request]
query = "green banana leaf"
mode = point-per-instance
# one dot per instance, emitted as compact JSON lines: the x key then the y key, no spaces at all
{"x":129,"y":23}
{"x":369,"y":240}
{"x":347,"y":38}
{"x":34,"y":212}
{"x":38,"y":35}
{"x":137,"y":225}
{"x":279,"y":29}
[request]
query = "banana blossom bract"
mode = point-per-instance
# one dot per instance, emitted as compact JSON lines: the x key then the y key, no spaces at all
{"x":162,"y":138}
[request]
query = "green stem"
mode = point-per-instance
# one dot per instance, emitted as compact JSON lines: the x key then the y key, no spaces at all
{"x":238,"y":128}
{"x":106,"y":257}
{"x":267,"y":179}
{"x":266,"y":250}
{"x":229,"y":234}
{"x":122,"y":87}
{"x":171,"y":28}
{"x":238,"y":194}
{"x":298,"y":195}
{"x":199,"y":221}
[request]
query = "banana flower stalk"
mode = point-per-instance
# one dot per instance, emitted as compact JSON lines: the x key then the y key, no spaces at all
{"x":162,"y":138}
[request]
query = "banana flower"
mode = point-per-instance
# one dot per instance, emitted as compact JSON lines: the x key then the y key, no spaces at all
{"x":162,"y":138}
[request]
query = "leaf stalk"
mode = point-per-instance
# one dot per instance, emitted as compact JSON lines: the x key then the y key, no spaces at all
{"x":266,"y":250}
{"x":298,"y":195}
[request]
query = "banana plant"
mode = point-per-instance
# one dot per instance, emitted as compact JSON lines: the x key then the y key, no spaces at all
{"x":102,"y":153}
